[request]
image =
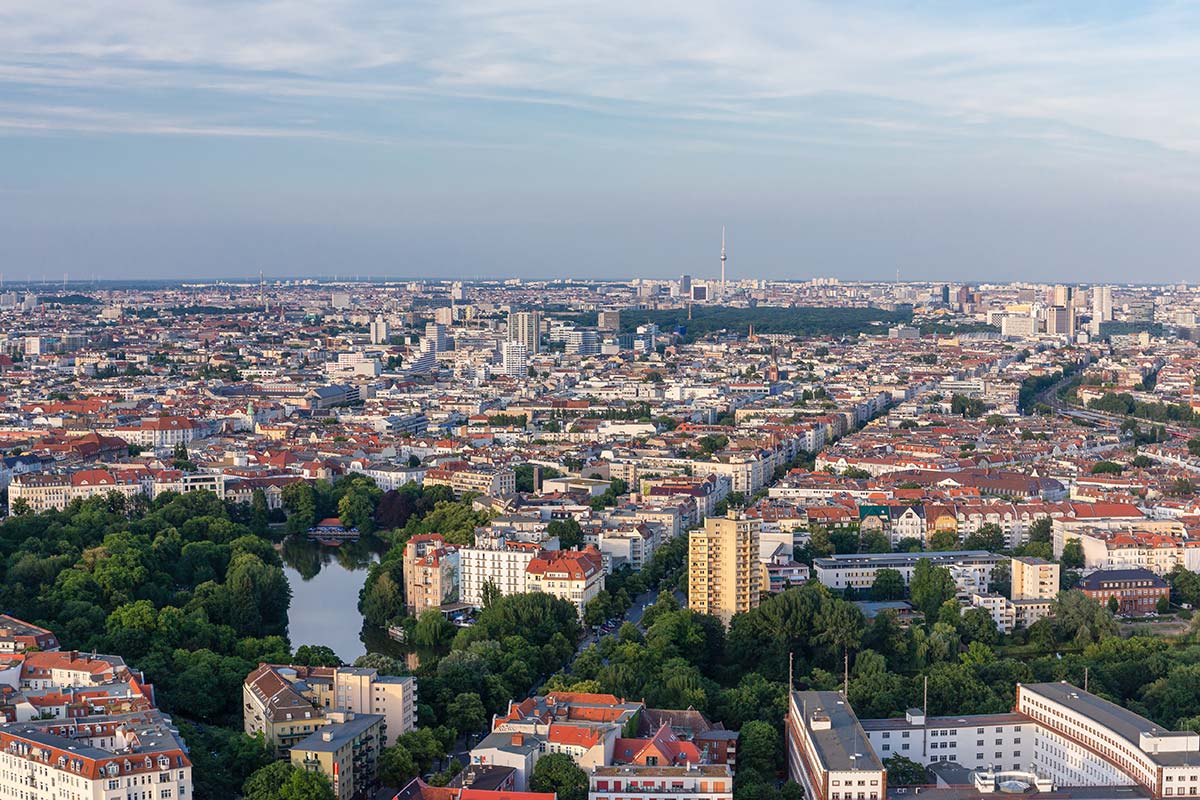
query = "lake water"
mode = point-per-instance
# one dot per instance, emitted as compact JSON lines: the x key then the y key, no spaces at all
{"x":325,"y":584}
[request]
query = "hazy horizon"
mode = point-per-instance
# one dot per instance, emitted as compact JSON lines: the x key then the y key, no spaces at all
{"x":952,"y":141}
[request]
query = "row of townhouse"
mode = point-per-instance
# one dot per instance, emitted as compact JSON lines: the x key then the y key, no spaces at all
{"x":47,"y":491}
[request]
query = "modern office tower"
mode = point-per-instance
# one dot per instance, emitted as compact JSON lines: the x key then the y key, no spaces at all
{"x":444,"y":315}
{"x":1059,"y":321}
{"x":514,"y":359}
{"x":945,"y":294}
{"x":583,"y":342}
{"x":608,"y":320}
{"x":1102,"y":303}
{"x":435,"y":335}
{"x":379,"y":330}
{"x":685,"y":285}
{"x":1064,"y":295}
{"x":699,"y":292}
{"x":723,"y":569}
{"x":526,"y":327}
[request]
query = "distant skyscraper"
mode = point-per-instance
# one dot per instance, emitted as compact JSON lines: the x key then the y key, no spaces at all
{"x":685,"y":285}
{"x":435,"y":335}
{"x":379,"y":330}
{"x":1102,"y":303}
{"x":444,"y":315}
{"x":583,"y":342}
{"x":945,"y":294}
{"x":514,"y":359}
{"x":608,"y":320}
{"x":526,"y":327}
{"x":1059,"y":321}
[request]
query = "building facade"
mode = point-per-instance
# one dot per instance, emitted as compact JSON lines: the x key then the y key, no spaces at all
{"x":723,"y":567}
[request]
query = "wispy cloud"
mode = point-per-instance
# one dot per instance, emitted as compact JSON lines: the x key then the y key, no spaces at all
{"x":1070,"y":75}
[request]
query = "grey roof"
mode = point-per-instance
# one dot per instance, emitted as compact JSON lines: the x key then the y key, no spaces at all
{"x":1121,"y":721}
{"x":884,"y":559}
{"x":503,"y":741}
{"x":340,"y":734}
{"x":844,"y":745}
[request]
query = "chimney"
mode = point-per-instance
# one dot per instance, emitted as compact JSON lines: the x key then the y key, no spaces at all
{"x":518,"y":739}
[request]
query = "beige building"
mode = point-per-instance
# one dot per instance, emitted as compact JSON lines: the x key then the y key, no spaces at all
{"x":1034,"y":579}
{"x":431,"y":573}
{"x":723,"y":568}
{"x":346,"y":751}
{"x":287,"y":704}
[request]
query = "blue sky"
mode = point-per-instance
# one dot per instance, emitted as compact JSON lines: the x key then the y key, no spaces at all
{"x":951,"y":140}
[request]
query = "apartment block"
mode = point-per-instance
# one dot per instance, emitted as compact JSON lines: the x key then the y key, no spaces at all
{"x":723,"y":569}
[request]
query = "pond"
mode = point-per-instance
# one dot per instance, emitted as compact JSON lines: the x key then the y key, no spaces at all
{"x":325,"y":583}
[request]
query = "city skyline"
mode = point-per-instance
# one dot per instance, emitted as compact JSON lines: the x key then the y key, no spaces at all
{"x":964,"y":142}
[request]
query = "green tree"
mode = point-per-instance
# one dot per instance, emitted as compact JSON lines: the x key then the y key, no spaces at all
{"x":316,"y":655}
{"x":989,"y":537}
{"x":1114,"y":605}
{"x":904,"y":772}
{"x":1162,"y":605}
{"x":929,"y":587}
{"x":433,"y":629}
{"x":943,"y":540}
{"x":396,"y":766}
{"x":1042,"y":530}
{"x":282,"y":781}
{"x":1072,"y":555}
{"x":466,"y":713}
{"x":557,"y":772}
{"x":888,"y":585}
{"x":20,"y":507}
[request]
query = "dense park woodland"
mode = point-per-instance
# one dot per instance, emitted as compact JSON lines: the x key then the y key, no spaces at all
{"x":192,"y":592}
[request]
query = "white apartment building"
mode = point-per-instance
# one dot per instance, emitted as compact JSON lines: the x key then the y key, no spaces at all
{"x":495,"y":560}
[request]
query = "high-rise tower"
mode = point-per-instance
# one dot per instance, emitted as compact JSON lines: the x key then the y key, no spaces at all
{"x":722,"y":262}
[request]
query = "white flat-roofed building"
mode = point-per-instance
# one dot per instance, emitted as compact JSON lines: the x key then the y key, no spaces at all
{"x":972,"y":569}
{"x":828,"y":752}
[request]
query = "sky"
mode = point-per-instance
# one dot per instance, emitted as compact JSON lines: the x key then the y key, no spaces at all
{"x":960,"y":140}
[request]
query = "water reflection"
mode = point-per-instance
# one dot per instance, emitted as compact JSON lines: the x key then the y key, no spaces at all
{"x":325,"y":584}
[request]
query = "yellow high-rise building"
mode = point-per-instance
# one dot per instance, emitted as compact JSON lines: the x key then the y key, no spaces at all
{"x":723,"y":571}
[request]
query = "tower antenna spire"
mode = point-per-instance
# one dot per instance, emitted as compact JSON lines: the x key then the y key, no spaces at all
{"x":722,"y":262}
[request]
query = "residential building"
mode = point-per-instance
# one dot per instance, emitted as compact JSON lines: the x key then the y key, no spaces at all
{"x":431,"y":573}
{"x":286,"y":703}
{"x":576,"y":576}
{"x":494,"y":560}
{"x":346,"y":751}
{"x":723,"y":568}
{"x":828,"y":753}
{"x":525,"y":327}
{"x":1034,"y":578}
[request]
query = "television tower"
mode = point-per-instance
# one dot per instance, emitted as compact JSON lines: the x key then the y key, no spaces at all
{"x":722,"y":262}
